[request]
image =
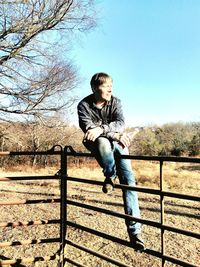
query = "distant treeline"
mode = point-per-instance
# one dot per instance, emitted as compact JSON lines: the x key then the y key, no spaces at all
{"x":172,"y":139}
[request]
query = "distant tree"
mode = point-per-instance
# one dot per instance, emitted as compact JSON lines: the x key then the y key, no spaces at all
{"x":145,"y":143}
{"x":174,"y":138}
{"x":194,"y":144}
{"x":33,"y":136}
{"x":177,"y":139}
{"x":34,"y":78}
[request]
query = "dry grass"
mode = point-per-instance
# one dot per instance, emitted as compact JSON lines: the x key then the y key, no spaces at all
{"x":182,"y":178}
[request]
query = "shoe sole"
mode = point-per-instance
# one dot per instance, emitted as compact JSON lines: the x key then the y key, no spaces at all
{"x":139,"y":247}
{"x":110,"y":188}
{"x":106,"y":191}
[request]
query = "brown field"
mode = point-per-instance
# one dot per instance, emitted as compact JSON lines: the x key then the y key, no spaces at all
{"x":178,"y":177}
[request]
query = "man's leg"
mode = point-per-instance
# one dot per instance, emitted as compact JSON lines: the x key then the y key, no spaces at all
{"x":130,"y":197}
{"x":104,"y":154}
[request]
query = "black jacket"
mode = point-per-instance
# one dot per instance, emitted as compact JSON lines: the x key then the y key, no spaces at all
{"x":109,"y":116}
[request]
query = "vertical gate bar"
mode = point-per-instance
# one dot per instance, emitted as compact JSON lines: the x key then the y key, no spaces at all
{"x":162,"y":218}
{"x":63,"y":212}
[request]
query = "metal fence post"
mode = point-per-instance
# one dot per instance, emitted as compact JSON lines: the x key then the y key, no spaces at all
{"x":63,"y":206}
{"x":162,"y":213}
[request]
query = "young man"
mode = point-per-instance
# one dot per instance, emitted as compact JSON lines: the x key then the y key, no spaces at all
{"x":101,"y":119}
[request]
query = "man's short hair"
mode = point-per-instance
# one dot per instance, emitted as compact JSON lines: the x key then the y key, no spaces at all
{"x":98,"y":79}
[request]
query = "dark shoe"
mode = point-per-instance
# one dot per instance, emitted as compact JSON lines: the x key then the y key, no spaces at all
{"x":108,"y":185}
{"x":137,"y":242}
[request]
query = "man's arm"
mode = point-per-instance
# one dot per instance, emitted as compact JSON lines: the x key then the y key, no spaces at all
{"x":91,"y":130}
{"x":84,"y":117}
{"x":116,"y":127}
{"x":117,"y":123}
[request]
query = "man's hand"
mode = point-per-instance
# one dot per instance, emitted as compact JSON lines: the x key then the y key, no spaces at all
{"x":123,"y":139}
{"x":93,"y":134}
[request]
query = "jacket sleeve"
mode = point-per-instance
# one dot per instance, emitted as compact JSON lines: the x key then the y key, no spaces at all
{"x":84,"y":117}
{"x":117,"y":123}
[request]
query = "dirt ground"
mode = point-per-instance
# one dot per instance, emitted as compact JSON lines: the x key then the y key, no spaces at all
{"x":179,"y":213}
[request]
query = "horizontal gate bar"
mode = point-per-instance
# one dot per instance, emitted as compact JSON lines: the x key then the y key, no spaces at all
{"x":99,"y":255}
{"x":128,"y":244}
{"x":149,"y":158}
{"x":111,"y":238}
{"x":159,"y":192}
{"x":180,"y":231}
{"x":136,"y":188}
{"x":28,"y":223}
{"x":29,"y":201}
{"x":74,"y":263}
{"x":163,"y":158}
{"x":179,"y":262}
{"x":129,"y":217}
{"x":69,"y":151}
{"x":181,"y":196}
{"x":139,"y":189}
{"x":19,"y":178}
{"x":28,"y":260}
{"x":29,"y":153}
{"x":113,"y":213}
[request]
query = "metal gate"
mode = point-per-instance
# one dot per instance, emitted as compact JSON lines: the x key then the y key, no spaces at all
{"x":63,"y":221}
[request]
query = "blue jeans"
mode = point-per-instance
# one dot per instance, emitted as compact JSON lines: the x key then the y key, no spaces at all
{"x":105,"y":152}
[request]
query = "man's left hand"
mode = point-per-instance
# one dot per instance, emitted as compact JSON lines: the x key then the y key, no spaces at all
{"x":125,"y":140}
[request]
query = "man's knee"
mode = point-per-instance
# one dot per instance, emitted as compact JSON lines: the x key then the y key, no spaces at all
{"x":103,"y":144}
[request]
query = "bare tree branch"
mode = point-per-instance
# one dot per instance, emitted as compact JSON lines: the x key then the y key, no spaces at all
{"x":34,"y":79}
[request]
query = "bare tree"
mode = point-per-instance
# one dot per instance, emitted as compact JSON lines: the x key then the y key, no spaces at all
{"x":34,"y":77}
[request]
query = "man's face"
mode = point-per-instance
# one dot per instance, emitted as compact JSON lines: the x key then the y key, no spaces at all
{"x":104,"y":91}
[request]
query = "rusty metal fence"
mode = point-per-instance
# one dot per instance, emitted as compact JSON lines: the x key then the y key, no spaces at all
{"x":63,"y":222}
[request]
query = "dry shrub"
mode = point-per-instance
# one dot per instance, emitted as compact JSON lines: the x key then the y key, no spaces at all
{"x":147,"y":173}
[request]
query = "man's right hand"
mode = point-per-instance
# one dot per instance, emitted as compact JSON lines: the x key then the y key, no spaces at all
{"x":93,"y":134}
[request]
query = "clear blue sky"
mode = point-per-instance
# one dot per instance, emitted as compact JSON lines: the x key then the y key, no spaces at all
{"x":151,"y":48}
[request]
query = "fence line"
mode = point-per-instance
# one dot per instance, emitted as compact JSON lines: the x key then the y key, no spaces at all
{"x":62,"y":176}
